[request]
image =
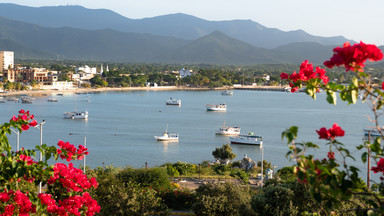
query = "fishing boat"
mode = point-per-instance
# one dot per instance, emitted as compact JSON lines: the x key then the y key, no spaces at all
{"x":76,"y":115}
{"x":28,"y":100}
{"x":250,"y":139}
{"x":216,"y":107}
{"x":167,"y":136}
{"x":227,"y":92}
{"x":52,"y":100}
{"x":225,"y":130}
{"x":372,"y":133}
{"x":172,"y":101}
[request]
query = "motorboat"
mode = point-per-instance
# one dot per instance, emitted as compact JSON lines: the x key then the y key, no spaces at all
{"x":27,"y":100}
{"x":227,"y":92}
{"x":167,"y":136}
{"x":172,"y":101}
{"x":216,"y":107}
{"x":372,"y":133}
{"x":52,"y":100}
{"x":250,"y":139}
{"x":225,"y":130}
{"x":76,"y":115}
{"x":15,"y":99}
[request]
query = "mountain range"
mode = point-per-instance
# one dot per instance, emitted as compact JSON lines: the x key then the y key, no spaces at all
{"x":78,"y":33}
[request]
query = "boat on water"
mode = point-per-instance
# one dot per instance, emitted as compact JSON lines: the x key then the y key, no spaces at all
{"x":250,"y":139}
{"x":372,"y":133}
{"x":172,"y":101}
{"x":52,"y":100}
{"x":227,"y":92}
{"x":59,"y":94}
{"x":13,"y":99}
{"x":216,"y":107}
{"x":225,"y":130}
{"x":28,"y":100}
{"x":76,"y":115}
{"x":167,"y":136}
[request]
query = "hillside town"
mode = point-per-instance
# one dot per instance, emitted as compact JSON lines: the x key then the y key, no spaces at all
{"x":45,"y":79}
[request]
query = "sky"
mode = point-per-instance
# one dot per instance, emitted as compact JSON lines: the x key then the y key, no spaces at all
{"x":359,"y":20}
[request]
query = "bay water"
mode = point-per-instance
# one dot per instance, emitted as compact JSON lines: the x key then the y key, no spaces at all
{"x":121,"y":126}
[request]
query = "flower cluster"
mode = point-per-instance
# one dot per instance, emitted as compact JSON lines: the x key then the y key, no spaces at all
{"x":331,"y":133}
{"x":24,"y":117}
{"x":26,"y":159}
{"x":69,"y":151}
{"x":73,"y":205}
{"x":19,"y":203}
{"x":306,"y":73}
{"x":353,"y":57}
{"x":380,"y":166}
{"x":71,"y":178}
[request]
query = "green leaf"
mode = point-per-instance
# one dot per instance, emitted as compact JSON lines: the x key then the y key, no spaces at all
{"x":331,"y":97}
{"x":364,"y":157}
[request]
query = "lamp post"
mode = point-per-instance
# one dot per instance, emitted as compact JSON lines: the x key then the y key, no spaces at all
{"x":18,"y":139}
{"x":262,"y":164}
{"x":274,"y":174}
{"x":41,"y":143}
{"x":85,"y":145}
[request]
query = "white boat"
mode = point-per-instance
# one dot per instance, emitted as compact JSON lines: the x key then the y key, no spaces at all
{"x":250,"y":139}
{"x":27,"y":100}
{"x":76,"y":115}
{"x":52,"y":100}
{"x":216,"y":107}
{"x":167,"y":136}
{"x":172,"y":101}
{"x":13,"y":99}
{"x":228,"y":130}
{"x":227,"y":92}
{"x":372,"y":133}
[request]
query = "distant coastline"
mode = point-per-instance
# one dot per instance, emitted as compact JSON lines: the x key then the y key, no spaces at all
{"x":161,"y":88}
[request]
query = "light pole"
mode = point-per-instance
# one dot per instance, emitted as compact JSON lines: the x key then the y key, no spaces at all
{"x":262,"y":164}
{"x":41,"y":144}
{"x":18,"y":139}
{"x":85,"y":146}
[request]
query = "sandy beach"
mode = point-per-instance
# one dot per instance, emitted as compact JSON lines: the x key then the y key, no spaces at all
{"x":90,"y":90}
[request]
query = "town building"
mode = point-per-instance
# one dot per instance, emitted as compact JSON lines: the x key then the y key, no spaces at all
{"x":184,"y":73}
{"x":6,"y":60}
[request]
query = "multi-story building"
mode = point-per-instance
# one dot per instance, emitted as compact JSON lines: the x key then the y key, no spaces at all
{"x":6,"y":60}
{"x":26,"y":75}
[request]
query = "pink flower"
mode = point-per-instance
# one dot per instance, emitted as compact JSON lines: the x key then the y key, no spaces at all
{"x":331,"y":133}
{"x":331,"y":155}
{"x":380,"y":166}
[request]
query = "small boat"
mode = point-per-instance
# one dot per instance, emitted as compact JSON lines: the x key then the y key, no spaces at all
{"x":2,"y":101}
{"x":372,"y":133}
{"x":59,"y":94}
{"x":52,"y":100}
{"x":28,"y":100}
{"x":217,"y":107}
{"x":250,"y":139}
{"x":228,"y":130}
{"x":76,"y":115}
{"x":172,"y":101}
{"x":227,"y":92}
{"x":13,"y":99}
{"x":167,"y":136}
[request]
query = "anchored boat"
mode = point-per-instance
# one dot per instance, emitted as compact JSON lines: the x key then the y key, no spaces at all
{"x":250,"y":139}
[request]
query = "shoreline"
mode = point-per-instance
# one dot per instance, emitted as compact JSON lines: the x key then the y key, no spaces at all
{"x":159,"y":88}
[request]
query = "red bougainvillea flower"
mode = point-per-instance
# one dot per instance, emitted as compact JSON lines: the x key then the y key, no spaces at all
{"x":306,"y":73}
{"x":382,"y":85}
{"x":380,"y":166}
{"x":331,"y":155}
{"x":353,"y":57}
{"x":331,"y":133}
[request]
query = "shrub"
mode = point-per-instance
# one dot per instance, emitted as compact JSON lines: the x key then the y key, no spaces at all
{"x":178,"y":198}
{"x":222,"y":199}
{"x":241,"y":174}
{"x":153,"y":177}
{"x":221,"y":169}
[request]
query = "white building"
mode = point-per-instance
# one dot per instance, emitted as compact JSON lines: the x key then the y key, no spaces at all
{"x":62,"y":85}
{"x":6,"y":60}
{"x":86,"y":69}
{"x":184,"y":73}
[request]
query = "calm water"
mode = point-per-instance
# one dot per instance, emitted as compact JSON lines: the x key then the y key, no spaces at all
{"x":121,"y":125}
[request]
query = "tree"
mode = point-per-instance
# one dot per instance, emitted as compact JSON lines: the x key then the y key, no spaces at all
{"x":224,"y":154}
{"x":333,"y":181}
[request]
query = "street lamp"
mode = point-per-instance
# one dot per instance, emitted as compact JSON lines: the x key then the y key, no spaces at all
{"x":41,"y":144}
{"x":85,"y":146}
{"x":262,"y":164}
{"x":18,"y":138}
